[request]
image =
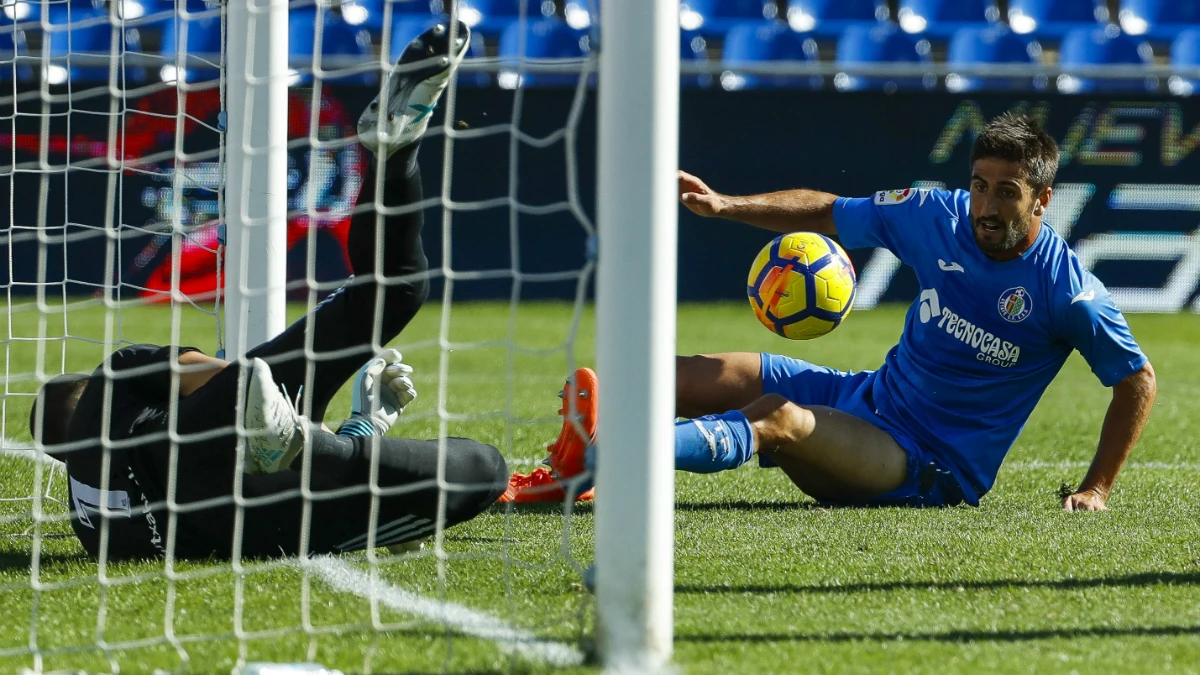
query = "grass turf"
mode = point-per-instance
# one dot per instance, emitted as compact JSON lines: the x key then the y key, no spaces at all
{"x":765,"y":580}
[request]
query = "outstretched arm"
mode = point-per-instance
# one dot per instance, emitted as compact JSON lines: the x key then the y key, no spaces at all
{"x":1127,"y":414}
{"x":786,"y":211}
{"x":196,"y":369}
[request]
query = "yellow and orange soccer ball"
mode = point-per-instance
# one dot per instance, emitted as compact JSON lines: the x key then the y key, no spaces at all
{"x":801,"y":285}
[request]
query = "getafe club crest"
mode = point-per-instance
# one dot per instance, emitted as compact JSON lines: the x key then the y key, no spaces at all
{"x":1015,"y":304}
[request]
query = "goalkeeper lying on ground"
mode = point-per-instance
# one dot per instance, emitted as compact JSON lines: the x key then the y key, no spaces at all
{"x":1004,"y":302}
{"x":132,"y":406}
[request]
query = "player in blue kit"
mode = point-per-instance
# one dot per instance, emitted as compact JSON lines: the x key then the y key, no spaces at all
{"x":1003,"y":303}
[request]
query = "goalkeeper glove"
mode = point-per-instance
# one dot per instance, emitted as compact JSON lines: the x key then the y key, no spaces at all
{"x":382,"y":388}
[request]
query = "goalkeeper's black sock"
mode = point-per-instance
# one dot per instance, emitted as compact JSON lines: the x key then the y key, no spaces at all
{"x":332,"y":455}
{"x":347,"y":459}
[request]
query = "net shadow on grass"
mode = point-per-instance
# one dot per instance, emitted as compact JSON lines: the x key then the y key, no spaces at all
{"x":1128,"y":581}
{"x":954,"y":636}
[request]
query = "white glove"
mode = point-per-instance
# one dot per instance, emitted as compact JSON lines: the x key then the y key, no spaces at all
{"x":382,"y":389}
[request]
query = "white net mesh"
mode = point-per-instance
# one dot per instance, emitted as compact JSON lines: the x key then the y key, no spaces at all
{"x":114,"y":126}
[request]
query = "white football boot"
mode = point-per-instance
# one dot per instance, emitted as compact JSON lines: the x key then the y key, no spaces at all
{"x":411,"y":90}
{"x":382,"y":388}
{"x":274,"y":429}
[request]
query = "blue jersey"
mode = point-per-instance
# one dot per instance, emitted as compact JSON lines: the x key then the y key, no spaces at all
{"x":984,"y":338}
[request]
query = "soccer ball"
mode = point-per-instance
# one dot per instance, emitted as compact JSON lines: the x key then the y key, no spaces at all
{"x":801,"y":285}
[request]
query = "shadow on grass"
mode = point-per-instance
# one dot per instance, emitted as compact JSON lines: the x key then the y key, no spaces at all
{"x":742,"y":505}
{"x":556,"y":508}
{"x":957,"y":636}
{"x":541,"y":508}
{"x":1132,"y":580}
{"x":14,"y":561}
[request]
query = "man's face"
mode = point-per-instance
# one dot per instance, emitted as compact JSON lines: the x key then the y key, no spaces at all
{"x":1003,"y":206}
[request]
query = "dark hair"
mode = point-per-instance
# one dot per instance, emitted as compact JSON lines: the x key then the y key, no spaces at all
{"x":57,"y":398}
{"x":1020,"y":139}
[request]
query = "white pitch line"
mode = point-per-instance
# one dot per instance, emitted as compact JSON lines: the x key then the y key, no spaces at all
{"x":11,"y":448}
{"x":510,"y":639}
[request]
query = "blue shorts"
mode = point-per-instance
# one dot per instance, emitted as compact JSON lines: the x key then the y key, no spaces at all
{"x":805,"y":383}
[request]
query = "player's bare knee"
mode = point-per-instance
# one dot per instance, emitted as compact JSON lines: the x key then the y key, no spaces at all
{"x":777,"y":421}
{"x":694,"y":377}
{"x":686,"y":368}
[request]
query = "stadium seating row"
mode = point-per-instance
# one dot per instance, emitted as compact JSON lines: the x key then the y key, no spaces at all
{"x":1158,"y":20}
{"x":1080,"y":48}
{"x":348,"y":52}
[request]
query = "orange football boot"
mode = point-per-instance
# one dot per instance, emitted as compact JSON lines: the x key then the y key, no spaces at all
{"x":539,"y":486}
{"x":568,"y":453}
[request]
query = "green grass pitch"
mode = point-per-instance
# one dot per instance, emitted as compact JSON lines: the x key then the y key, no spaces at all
{"x":765,"y":580}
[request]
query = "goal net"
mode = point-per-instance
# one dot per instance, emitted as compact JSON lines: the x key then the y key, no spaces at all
{"x":116,"y":137}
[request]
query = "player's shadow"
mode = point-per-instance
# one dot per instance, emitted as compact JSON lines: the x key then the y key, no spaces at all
{"x":734,"y":505}
{"x":955,"y":636}
{"x":18,"y":561}
{"x":743,"y":505}
{"x":1128,"y":581}
{"x":543,"y":508}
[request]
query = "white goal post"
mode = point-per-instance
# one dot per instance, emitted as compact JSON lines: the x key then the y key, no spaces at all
{"x":256,"y":200}
{"x":637,"y":215}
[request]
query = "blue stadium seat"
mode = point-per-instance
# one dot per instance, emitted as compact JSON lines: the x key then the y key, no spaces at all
{"x":830,"y":18}
{"x":772,"y":41}
{"x":1158,"y":19}
{"x":82,"y":31}
{"x":141,"y":11}
{"x":863,"y":44}
{"x":693,"y":47}
{"x":544,"y":39}
{"x":1185,"y":53}
{"x":716,"y":17}
{"x":992,"y":44}
{"x":1053,"y":18}
{"x":137,"y":12}
{"x":342,"y":47}
{"x":407,"y":27}
{"x":203,"y":50}
{"x":14,"y":57}
{"x":941,"y":19}
{"x":1098,"y":46}
{"x":492,"y":17}
{"x":370,"y":13}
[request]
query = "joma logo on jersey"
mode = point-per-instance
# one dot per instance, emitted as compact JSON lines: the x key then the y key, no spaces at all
{"x":991,"y":348}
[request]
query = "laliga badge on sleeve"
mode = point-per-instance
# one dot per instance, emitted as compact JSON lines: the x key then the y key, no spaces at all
{"x":890,"y":197}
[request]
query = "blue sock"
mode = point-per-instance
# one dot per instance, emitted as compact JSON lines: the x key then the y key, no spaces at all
{"x":713,"y":443}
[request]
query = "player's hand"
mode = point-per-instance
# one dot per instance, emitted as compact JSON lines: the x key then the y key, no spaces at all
{"x":698,"y":197}
{"x":397,"y":382}
{"x":382,"y":389}
{"x":1085,"y":500}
